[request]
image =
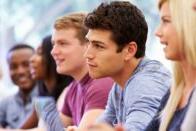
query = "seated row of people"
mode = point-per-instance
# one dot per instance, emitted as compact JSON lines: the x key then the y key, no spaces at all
{"x":110,"y":42}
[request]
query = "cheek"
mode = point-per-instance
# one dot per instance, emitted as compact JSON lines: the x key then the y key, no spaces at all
{"x":66,"y":53}
{"x":40,"y":71}
{"x":13,"y":77}
{"x":167,"y":32}
{"x":12,"y":74}
{"x":109,"y":61}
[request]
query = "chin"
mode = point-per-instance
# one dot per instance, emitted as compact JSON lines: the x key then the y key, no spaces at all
{"x":59,"y":70}
{"x":95,"y":76}
{"x":170,"y":57}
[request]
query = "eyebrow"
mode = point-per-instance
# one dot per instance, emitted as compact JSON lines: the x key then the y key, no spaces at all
{"x":97,"y":42}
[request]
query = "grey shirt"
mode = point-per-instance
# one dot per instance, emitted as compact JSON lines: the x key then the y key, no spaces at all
{"x":190,"y":118}
{"x":136,"y":105}
{"x":13,"y":110}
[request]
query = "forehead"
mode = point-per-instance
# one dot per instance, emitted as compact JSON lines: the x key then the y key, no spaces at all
{"x":165,"y":9}
{"x":99,"y":35}
{"x":63,"y":34}
{"x":19,"y":55}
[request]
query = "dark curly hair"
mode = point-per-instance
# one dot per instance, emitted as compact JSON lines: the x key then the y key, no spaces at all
{"x":125,"y":21}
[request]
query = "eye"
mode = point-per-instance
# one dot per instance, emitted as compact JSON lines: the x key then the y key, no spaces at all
{"x":39,"y":51}
{"x":63,"y":43}
{"x":165,"y":20}
{"x":13,"y":66}
{"x":25,"y":64}
{"x":98,"y":46}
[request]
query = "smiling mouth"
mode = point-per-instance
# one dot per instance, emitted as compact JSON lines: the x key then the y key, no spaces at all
{"x":58,"y":62}
{"x":22,"y":79}
{"x":91,"y":64}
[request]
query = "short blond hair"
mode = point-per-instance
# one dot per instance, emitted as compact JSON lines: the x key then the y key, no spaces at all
{"x":73,"y":20}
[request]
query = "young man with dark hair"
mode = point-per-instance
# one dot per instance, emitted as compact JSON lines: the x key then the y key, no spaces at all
{"x":117,"y":41}
{"x":14,"y":109}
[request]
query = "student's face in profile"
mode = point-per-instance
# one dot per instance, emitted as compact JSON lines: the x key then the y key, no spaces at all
{"x":18,"y":61}
{"x":168,"y":35}
{"x":102,"y":57}
{"x":68,"y":52}
{"x":37,"y":65}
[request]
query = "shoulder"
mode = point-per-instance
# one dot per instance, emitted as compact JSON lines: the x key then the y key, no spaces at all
{"x":151,"y":74}
{"x":71,"y":88}
{"x":153,"y":66}
{"x":7,"y":101}
{"x":99,"y":88}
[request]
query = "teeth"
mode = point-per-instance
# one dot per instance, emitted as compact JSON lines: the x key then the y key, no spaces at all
{"x":22,"y":79}
{"x":58,"y":61}
{"x":164,"y":45}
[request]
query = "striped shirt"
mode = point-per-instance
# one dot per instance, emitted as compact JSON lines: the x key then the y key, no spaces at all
{"x":136,"y":105}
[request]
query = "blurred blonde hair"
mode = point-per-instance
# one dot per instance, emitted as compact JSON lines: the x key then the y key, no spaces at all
{"x":184,"y":19}
{"x":73,"y":20}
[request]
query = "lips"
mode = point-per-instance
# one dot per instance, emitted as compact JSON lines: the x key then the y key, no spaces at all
{"x":22,"y":79}
{"x":163,"y":43}
{"x":58,"y":61}
{"x":90,"y":64}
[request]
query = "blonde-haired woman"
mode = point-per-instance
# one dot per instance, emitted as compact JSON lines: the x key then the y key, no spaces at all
{"x":177,"y":33}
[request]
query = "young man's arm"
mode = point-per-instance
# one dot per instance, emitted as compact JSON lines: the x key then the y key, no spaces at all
{"x":66,"y":120}
{"x":90,"y":117}
{"x":146,"y":91}
{"x":47,"y":111}
{"x":31,"y":121}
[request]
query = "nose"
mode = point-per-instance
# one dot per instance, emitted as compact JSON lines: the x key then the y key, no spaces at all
{"x":32,"y":59}
{"x":88,"y":53}
{"x":54,"y":51}
{"x":158,"y":32}
{"x":21,"y":69}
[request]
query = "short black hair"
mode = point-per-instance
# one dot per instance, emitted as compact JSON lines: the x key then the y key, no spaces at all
{"x":18,"y":46}
{"x":125,"y":21}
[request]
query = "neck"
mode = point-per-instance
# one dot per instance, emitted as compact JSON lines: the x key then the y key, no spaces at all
{"x":79,"y":73}
{"x":25,"y":94}
{"x":123,"y":75}
{"x":50,"y":83}
{"x":189,"y":74}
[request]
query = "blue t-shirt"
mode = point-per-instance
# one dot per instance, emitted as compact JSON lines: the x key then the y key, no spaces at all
{"x":136,"y":105}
